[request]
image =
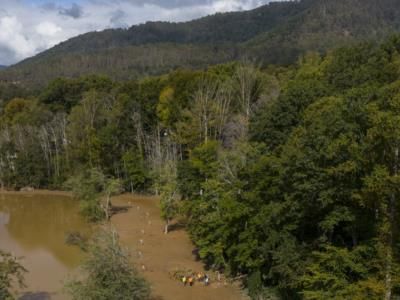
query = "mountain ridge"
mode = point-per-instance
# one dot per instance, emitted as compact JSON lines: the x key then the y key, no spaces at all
{"x":276,"y":33}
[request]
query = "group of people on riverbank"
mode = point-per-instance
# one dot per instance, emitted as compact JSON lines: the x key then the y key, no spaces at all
{"x":199,"y":277}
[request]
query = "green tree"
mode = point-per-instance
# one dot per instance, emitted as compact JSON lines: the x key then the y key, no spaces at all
{"x":109,"y":272}
{"x":11,"y":272}
{"x":94,"y":190}
{"x":381,"y":186}
{"x":339,"y":273}
{"x":85,"y":121}
{"x":137,"y":176}
{"x":170,"y":199}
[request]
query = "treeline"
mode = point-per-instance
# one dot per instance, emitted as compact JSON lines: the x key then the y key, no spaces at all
{"x":276,"y":33}
{"x":127,"y":63}
{"x":286,"y":177}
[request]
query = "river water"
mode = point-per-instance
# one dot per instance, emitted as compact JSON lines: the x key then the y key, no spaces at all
{"x":34,"y":227}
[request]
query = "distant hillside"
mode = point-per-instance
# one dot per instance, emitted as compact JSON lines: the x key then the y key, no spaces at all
{"x":275,"y":33}
{"x":2,"y":67}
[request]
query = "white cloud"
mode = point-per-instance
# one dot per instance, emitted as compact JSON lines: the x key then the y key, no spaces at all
{"x":12,"y":37}
{"x":48,"y":29}
{"x":30,"y":26}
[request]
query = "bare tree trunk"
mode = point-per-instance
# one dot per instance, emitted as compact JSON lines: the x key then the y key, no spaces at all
{"x":137,"y":122}
{"x":166,"y":228}
{"x":388,"y":273}
{"x":108,"y":207}
{"x":389,"y":247}
{"x":249,"y":90}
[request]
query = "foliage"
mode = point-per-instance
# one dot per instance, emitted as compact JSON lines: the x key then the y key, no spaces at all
{"x":11,"y":272}
{"x":109,"y":273}
{"x":275,"y":33}
{"x":94,"y":189}
{"x":170,"y":202}
{"x":137,"y":176}
{"x":287,"y":177}
{"x":337,"y":273}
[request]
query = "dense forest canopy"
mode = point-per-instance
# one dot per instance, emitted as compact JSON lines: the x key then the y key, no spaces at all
{"x":276,"y":33}
{"x":287,"y":176}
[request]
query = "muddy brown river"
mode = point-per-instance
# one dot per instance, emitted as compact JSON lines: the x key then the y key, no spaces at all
{"x":33,"y":227}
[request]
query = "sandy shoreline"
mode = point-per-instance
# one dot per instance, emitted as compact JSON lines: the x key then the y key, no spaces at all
{"x":158,"y":255}
{"x":36,"y":192}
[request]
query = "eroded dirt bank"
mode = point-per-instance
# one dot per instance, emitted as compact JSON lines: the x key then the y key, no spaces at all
{"x":158,"y":255}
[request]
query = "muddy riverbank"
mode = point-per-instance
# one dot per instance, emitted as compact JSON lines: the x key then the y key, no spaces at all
{"x":158,"y":255}
{"x":34,"y":224}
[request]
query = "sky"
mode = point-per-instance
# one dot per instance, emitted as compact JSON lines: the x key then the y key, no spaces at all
{"x":28,"y":27}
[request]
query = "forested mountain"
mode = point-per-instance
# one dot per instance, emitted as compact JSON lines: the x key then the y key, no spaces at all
{"x":287,"y":178}
{"x":2,"y":67}
{"x":275,"y":33}
{"x":285,"y":169}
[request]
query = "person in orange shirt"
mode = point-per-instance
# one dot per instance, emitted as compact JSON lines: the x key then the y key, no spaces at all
{"x":199,"y":277}
{"x":190,"y":281}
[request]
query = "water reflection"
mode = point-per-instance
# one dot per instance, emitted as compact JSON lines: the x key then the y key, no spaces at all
{"x":34,"y":227}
